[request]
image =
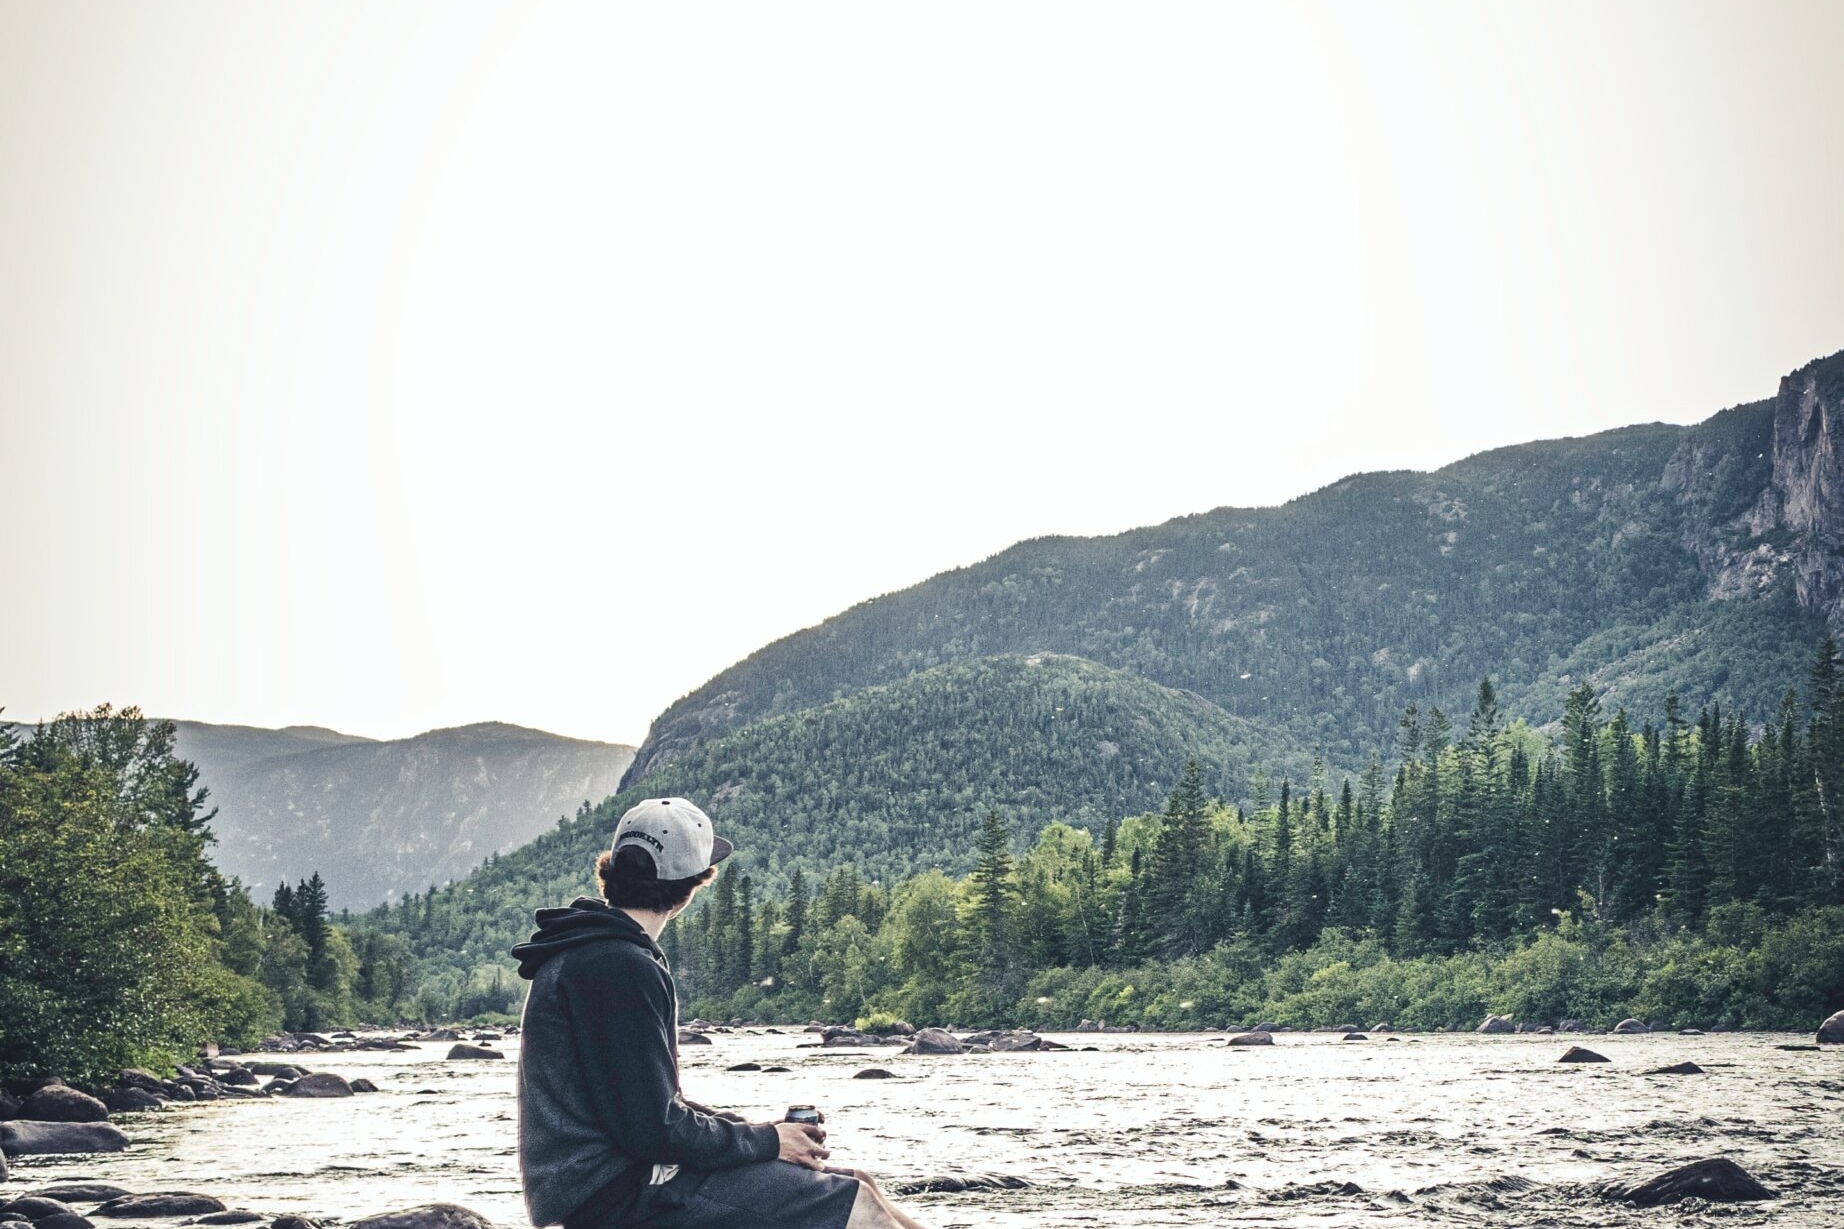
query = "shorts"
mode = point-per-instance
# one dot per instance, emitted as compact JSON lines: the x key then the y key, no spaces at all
{"x":761,"y":1195}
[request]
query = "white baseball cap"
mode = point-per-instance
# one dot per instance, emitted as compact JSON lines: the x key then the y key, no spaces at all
{"x":677,"y":834}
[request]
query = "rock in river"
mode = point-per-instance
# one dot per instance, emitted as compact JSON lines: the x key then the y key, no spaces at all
{"x":468,"y":1051}
{"x":429,"y":1216}
{"x":319,"y":1084}
{"x":1632,"y":1026}
{"x":936,"y":1041}
{"x":1575,"y":1054}
{"x":1717,"y":1179}
{"x":33,"y":1208}
{"x":236,"y":1216}
{"x":56,"y":1103}
{"x":1497,"y":1024}
{"x":1831,"y":1032}
{"x":82,"y":1192}
{"x":1677,"y":1069}
{"x":163,"y":1204}
{"x":64,"y":1220}
{"x":875,"y":1073}
{"x":131,"y":1100}
{"x":686,"y":1038}
{"x":51,"y":1138}
{"x":1252,"y":1039}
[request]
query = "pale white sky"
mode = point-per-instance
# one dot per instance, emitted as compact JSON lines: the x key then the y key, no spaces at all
{"x":396,"y":365}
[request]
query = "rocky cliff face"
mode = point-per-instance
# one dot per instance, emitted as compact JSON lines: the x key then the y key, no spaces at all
{"x":1765,"y":493}
{"x":1802,"y":511}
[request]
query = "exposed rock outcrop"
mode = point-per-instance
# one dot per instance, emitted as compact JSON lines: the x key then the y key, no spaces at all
{"x":1576,"y":1054}
{"x":169,"y":1203}
{"x":1717,"y":1179}
{"x":1497,"y":1024}
{"x":1832,"y":1030}
{"x":57,"y":1103}
{"x":428,"y":1216}
{"x":51,"y":1138}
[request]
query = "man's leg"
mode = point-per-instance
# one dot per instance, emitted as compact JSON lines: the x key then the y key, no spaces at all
{"x":872,"y":1210}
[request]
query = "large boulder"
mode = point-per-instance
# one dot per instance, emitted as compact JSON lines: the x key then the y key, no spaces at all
{"x":1717,"y":1180}
{"x":1677,"y":1069}
{"x":53,"y":1138}
{"x":57,"y":1103}
{"x":461,"y":1051}
{"x":1831,"y":1032}
{"x":34,"y":1208}
{"x":429,"y":1216}
{"x":137,"y":1077}
{"x":1497,"y":1024}
{"x":131,"y":1100}
{"x":64,"y":1220}
{"x":1008,"y":1042}
{"x":163,"y":1204}
{"x":686,"y":1038}
{"x":319,"y":1084}
{"x":936,"y":1041}
{"x":1576,"y":1054}
{"x":1572,"y":1026}
{"x":1632,"y":1026}
{"x":1257,"y":1038}
{"x":82,"y":1192}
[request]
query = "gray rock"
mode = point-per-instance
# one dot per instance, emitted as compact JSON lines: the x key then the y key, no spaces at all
{"x":235,"y":1216}
{"x":429,"y":1216}
{"x":1632,"y":1026}
{"x":363,"y":1085}
{"x":1831,"y":1032}
{"x":1088,"y":1026}
{"x":83,"y":1192}
{"x":64,"y":1220}
{"x":1497,"y":1024}
{"x":1575,"y":1054}
{"x":294,"y":1222}
{"x":131,"y":1100}
{"x":239,"y":1076}
{"x":52,"y":1138}
{"x":1572,"y":1026}
{"x":688,"y":1038}
{"x":875,"y":1073}
{"x":9,"y":1105}
{"x":33,"y":1208}
{"x":1266,"y":1026}
{"x":951,"y":1184}
{"x":57,"y":1103}
{"x":286,"y":1071}
{"x":161,"y":1205}
{"x":146,"y":1081}
{"x":744,"y":1067}
{"x":1354,"y":1037}
{"x":1677,"y":1069}
{"x":936,"y":1041}
{"x":1718,"y":1180}
{"x":902,"y":1028}
{"x":1256,"y":1038}
{"x":1007,"y":1043}
{"x":464,"y":1051}
{"x":319,"y":1084}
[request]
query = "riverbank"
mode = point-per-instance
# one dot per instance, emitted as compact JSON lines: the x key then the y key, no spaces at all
{"x":1142,"y":1129}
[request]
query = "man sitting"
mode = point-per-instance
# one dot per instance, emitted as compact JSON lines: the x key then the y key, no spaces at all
{"x":606,"y":1140}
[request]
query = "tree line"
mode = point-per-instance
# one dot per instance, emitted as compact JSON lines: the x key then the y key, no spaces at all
{"x":1643,"y":846}
{"x":121,"y":945}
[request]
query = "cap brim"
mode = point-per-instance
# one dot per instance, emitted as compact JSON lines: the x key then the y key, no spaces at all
{"x":720,"y":849}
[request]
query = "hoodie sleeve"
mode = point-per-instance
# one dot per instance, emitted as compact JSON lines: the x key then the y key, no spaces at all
{"x":619,"y":1017}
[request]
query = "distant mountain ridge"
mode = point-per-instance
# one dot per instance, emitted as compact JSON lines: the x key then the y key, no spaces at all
{"x":382,"y":818}
{"x":1704,"y":559}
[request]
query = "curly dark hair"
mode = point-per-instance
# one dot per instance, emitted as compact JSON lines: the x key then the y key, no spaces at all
{"x":628,"y":883}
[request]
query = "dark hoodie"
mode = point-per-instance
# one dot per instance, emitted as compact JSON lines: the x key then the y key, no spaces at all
{"x":598,"y":1067}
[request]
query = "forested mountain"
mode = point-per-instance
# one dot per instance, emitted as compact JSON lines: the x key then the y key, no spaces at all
{"x":1654,"y":558}
{"x":380,"y":819}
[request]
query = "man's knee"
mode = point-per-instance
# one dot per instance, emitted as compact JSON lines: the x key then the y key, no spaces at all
{"x":869,"y":1210}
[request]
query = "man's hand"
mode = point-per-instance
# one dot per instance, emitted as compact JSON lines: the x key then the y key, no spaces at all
{"x":802,"y":1144}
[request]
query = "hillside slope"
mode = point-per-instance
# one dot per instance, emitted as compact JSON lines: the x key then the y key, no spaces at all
{"x":1644,"y":559}
{"x":381,"y":819}
{"x":895,"y":780}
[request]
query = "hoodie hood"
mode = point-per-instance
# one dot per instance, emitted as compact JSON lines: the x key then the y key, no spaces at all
{"x":584,"y":920}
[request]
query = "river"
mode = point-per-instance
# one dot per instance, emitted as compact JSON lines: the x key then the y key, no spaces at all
{"x":1144,"y":1130}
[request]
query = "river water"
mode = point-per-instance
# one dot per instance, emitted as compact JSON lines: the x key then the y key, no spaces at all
{"x":1145,"y":1130}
